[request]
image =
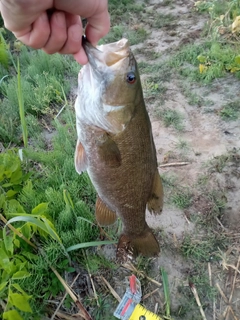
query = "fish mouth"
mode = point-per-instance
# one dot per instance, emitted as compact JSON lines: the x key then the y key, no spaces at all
{"x":107,"y":55}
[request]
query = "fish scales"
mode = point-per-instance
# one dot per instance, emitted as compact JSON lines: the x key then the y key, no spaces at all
{"x":121,"y":163}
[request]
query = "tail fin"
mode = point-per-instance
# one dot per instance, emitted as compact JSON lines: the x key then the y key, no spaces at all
{"x":145,"y":244}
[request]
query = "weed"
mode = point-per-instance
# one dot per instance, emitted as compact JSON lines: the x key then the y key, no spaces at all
{"x":104,"y":308}
{"x":219,"y":162}
{"x":230,"y":111}
{"x":120,"y":31}
{"x":182,"y":199}
{"x":169,"y":180}
{"x":160,"y":71}
{"x":183,"y":146}
{"x":171,"y":118}
{"x":136,"y":36}
{"x":162,"y":20}
{"x":151,"y":87}
{"x":96,"y":262}
{"x":115,"y":34}
{"x":205,"y":248}
{"x":192,"y":97}
{"x":212,"y":58}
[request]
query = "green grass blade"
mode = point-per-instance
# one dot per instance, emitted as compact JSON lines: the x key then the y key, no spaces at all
{"x":3,"y":52}
{"x":42,"y":225}
{"x":89,"y":244}
{"x":166,"y":291}
{"x":21,"y":107}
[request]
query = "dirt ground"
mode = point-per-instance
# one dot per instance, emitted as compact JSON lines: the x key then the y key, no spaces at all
{"x":209,"y":139}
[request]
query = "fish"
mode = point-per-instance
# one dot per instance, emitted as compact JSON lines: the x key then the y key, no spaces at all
{"x":115,"y":145}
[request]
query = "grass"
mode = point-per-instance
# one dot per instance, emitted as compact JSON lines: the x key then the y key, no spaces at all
{"x":230,"y":111}
{"x":49,"y":177}
{"x":162,"y":20}
{"x":206,"y":61}
{"x":43,"y":82}
{"x":171,"y":118}
{"x":182,"y":199}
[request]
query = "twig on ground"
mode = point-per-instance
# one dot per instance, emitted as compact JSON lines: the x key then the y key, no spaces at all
{"x":64,"y":297}
{"x":149,"y":294}
{"x":228,"y":308}
{"x":46,"y":126}
{"x":61,"y":110}
{"x":235,"y":318}
{"x":234,"y":280}
{"x":173,"y":164}
{"x":187,"y":219}
{"x":211,"y":284}
{"x":221,"y":293}
{"x":194,"y":291}
{"x":131,"y":267}
{"x":92,"y":283}
{"x":103,"y":231}
{"x":66,"y":316}
{"x":220,"y":223}
{"x":113,"y":292}
{"x":78,"y":303}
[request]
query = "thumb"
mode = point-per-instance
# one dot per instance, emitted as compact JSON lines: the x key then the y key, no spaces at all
{"x":97,"y":27}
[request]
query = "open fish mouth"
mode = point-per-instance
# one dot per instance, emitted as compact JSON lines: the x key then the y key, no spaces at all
{"x":106,"y":55}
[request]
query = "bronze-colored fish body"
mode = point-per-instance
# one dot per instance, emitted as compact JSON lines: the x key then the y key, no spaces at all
{"x":115,"y":145}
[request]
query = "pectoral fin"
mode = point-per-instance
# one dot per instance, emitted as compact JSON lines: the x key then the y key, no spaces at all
{"x":104,"y":215}
{"x":80,"y":158}
{"x":108,"y":151}
{"x":155,"y":202}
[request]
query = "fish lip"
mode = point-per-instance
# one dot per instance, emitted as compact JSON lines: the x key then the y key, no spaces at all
{"x":93,"y":54}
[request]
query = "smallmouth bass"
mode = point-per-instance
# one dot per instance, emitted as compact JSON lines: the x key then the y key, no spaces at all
{"x":115,"y":145}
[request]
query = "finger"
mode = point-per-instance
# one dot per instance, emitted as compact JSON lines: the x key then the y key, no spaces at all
{"x":74,"y":40}
{"x":58,"y":35}
{"x":19,"y":15}
{"x":72,"y":19}
{"x":98,"y":26}
{"x":37,"y":35}
{"x":94,"y":10}
{"x":81,"y":56}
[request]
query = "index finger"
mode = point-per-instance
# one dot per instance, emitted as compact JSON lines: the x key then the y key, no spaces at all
{"x":96,"y":12}
{"x":97,"y":27}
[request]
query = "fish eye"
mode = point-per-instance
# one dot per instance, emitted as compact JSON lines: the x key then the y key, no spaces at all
{"x":131,"y":78}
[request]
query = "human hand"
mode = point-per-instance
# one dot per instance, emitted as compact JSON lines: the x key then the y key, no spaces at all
{"x":55,"y":26}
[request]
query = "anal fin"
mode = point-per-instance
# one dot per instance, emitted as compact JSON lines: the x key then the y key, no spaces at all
{"x":155,"y":202}
{"x":103,"y":214}
{"x":80,"y":158}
